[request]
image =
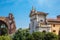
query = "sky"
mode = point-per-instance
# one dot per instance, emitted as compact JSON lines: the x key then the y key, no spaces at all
{"x":21,"y":9}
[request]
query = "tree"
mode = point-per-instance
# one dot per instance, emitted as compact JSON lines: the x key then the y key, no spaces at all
{"x":5,"y":38}
{"x":50,"y":36}
{"x":22,"y":34}
{"x":38,"y":35}
{"x":4,"y":31}
{"x":18,"y":35}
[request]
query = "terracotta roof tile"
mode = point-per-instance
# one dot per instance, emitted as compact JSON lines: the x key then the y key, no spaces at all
{"x":53,"y":20}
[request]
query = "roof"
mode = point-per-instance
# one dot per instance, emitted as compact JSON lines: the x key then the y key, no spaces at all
{"x":38,"y":13}
{"x":54,"y":20}
{"x":51,"y":21}
{"x":48,"y":23}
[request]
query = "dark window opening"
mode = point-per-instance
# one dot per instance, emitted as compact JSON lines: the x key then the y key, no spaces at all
{"x":54,"y":30}
{"x":41,"y":20}
{"x":53,"y":25}
{"x":44,"y":31}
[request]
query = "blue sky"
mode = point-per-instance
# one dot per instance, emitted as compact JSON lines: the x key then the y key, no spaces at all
{"x":21,"y":9}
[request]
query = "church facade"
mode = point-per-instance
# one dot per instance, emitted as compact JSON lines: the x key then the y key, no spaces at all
{"x":39,"y":22}
{"x":7,"y":22}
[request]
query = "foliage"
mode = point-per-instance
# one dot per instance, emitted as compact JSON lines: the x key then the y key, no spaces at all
{"x":51,"y":36}
{"x":5,"y":38}
{"x":4,"y":31}
{"x":38,"y":35}
{"x":18,"y":35}
{"x":25,"y":35}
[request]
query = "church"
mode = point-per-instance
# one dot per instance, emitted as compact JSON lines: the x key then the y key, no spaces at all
{"x":40,"y":23}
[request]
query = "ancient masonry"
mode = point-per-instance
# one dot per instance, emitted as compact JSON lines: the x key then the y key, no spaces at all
{"x":8,"y":22}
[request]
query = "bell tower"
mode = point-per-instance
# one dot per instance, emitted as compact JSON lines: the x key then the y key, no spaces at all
{"x":32,"y":20}
{"x":36,"y":17}
{"x":12,"y":23}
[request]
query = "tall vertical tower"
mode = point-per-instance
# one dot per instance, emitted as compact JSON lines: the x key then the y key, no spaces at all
{"x":12,"y":23}
{"x":36,"y":17}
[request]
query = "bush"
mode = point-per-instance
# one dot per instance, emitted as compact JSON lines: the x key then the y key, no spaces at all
{"x":38,"y":35}
{"x":5,"y":38}
{"x":25,"y":35}
{"x":51,"y":36}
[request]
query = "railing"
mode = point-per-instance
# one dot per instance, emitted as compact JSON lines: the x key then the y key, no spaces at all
{"x":45,"y":25}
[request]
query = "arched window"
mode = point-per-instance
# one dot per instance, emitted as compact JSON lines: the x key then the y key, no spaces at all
{"x":41,"y":20}
{"x":44,"y":31}
{"x":54,"y":30}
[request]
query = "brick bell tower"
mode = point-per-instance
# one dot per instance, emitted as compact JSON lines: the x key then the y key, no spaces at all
{"x":12,"y":28}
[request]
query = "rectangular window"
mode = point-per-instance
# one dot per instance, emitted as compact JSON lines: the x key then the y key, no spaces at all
{"x":53,"y":25}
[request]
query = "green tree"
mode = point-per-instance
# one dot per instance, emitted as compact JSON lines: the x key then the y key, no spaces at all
{"x":30,"y":37}
{"x":51,"y":36}
{"x":22,"y":34}
{"x":4,"y":31}
{"x":5,"y":38}
{"x":38,"y":35}
{"x":18,"y":35}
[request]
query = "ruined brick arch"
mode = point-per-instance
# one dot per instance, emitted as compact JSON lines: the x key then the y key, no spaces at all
{"x":3,"y":19}
{"x":9,"y":21}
